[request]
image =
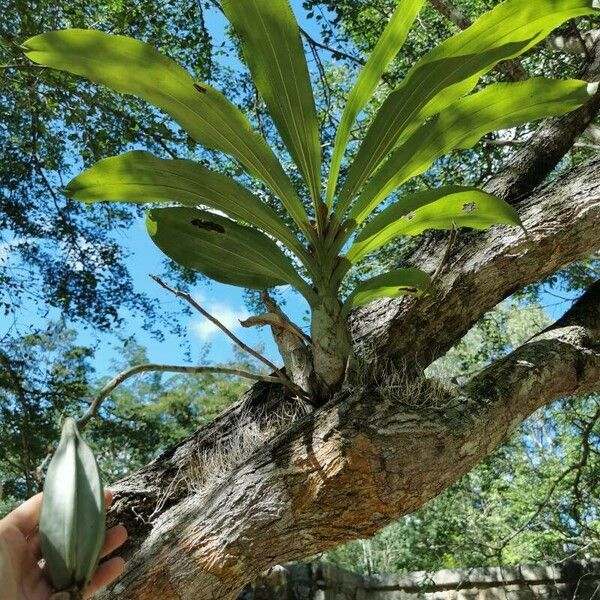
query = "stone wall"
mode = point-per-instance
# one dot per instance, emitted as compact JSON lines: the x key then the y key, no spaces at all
{"x":324,"y":581}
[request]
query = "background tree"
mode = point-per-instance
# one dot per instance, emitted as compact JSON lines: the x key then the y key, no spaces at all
{"x":65,"y":257}
{"x":139,"y":420}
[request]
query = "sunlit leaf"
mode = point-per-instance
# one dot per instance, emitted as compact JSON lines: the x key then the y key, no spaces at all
{"x":391,"y":41}
{"x":133,"y":67}
{"x":141,"y":177}
{"x":401,"y":282}
{"x":222,"y":249}
{"x":442,"y":208}
{"x":462,"y":125}
{"x":451,"y":70}
{"x":273,"y":51}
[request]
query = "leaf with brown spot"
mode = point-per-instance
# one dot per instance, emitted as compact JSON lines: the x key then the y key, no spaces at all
{"x":222,"y":249}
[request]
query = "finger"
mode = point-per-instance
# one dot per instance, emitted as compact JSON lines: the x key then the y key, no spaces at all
{"x":105,"y":574}
{"x":35,"y":582}
{"x":115,"y":537}
{"x":108,"y":498}
{"x":26,"y":516}
{"x":33,"y":544}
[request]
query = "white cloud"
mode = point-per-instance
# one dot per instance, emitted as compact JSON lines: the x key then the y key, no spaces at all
{"x":228,"y":315}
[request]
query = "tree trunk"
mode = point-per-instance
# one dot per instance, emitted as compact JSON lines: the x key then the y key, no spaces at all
{"x":272,"y":480}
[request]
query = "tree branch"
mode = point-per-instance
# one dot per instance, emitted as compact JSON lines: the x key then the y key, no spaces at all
{"x":188,"y":298}
{"x":122,"y":377}
{"x":562,"y":224}
{"x":294,"y":345}
{"x":341,"y":472}
{"x":593,"y":133}
{"x":555,"y":137}
{"x":336,"y":53}
{"x":524,"y":142}
{"x":271,"y":319}
{"x":22,"y":66}
{"x":574,"y":42}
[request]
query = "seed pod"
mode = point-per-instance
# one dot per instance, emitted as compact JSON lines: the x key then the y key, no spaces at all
{"x":72,"y":520}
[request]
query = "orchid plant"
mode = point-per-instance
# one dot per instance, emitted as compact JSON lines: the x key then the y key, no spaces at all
{"x":216,"y":225}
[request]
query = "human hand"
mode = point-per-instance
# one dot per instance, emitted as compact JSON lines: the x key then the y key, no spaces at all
{"x":20,"y":574}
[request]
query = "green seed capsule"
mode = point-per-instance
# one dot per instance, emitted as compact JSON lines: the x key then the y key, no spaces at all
{"x":72,"y":520}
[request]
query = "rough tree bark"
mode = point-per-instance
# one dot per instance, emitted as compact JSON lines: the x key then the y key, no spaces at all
{"x":270,"y":481}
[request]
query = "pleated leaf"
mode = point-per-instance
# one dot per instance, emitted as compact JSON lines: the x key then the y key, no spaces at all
{"x":451,"y":70}
{"x":222,"y":249}
{"x":401,"y":282}
{"x":133,"y":67}
{"x":141,"y":177}
{"x":72,"y":519}
{"x":461,"y":126}
{"x":273,"y":51}
{"x":391,"y":41}
{"x":443,"y":208}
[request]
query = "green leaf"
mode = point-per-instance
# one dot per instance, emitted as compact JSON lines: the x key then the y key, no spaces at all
{"x":391,"y":41}
{"x":451,"y":70}
{"x":222,"y":249}
{"x":133,"y":67}
{"x":401,"y":282}
{"x":141,"y":177}
{"x":462,"y":125}
{"x":443,"y":208}
{"x":72,"y":518}
{"x":273,"y":51}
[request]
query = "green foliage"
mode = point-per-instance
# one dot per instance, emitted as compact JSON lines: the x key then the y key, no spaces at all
{"x":441,"y":208}
{"x":62,"y":256}
{"x":133,"y":67}
{"x":273,"y":51}
{"x":451,"y":70}
{"x":141,"y":177}
{"x":138,"y":420}
{"x":463,"y":124}
{"x":389,"y":44}
{"x":424,"y":118}
{"x":33,"y":395}
{"x":222,"y":249}
{"x":388,"y":285}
